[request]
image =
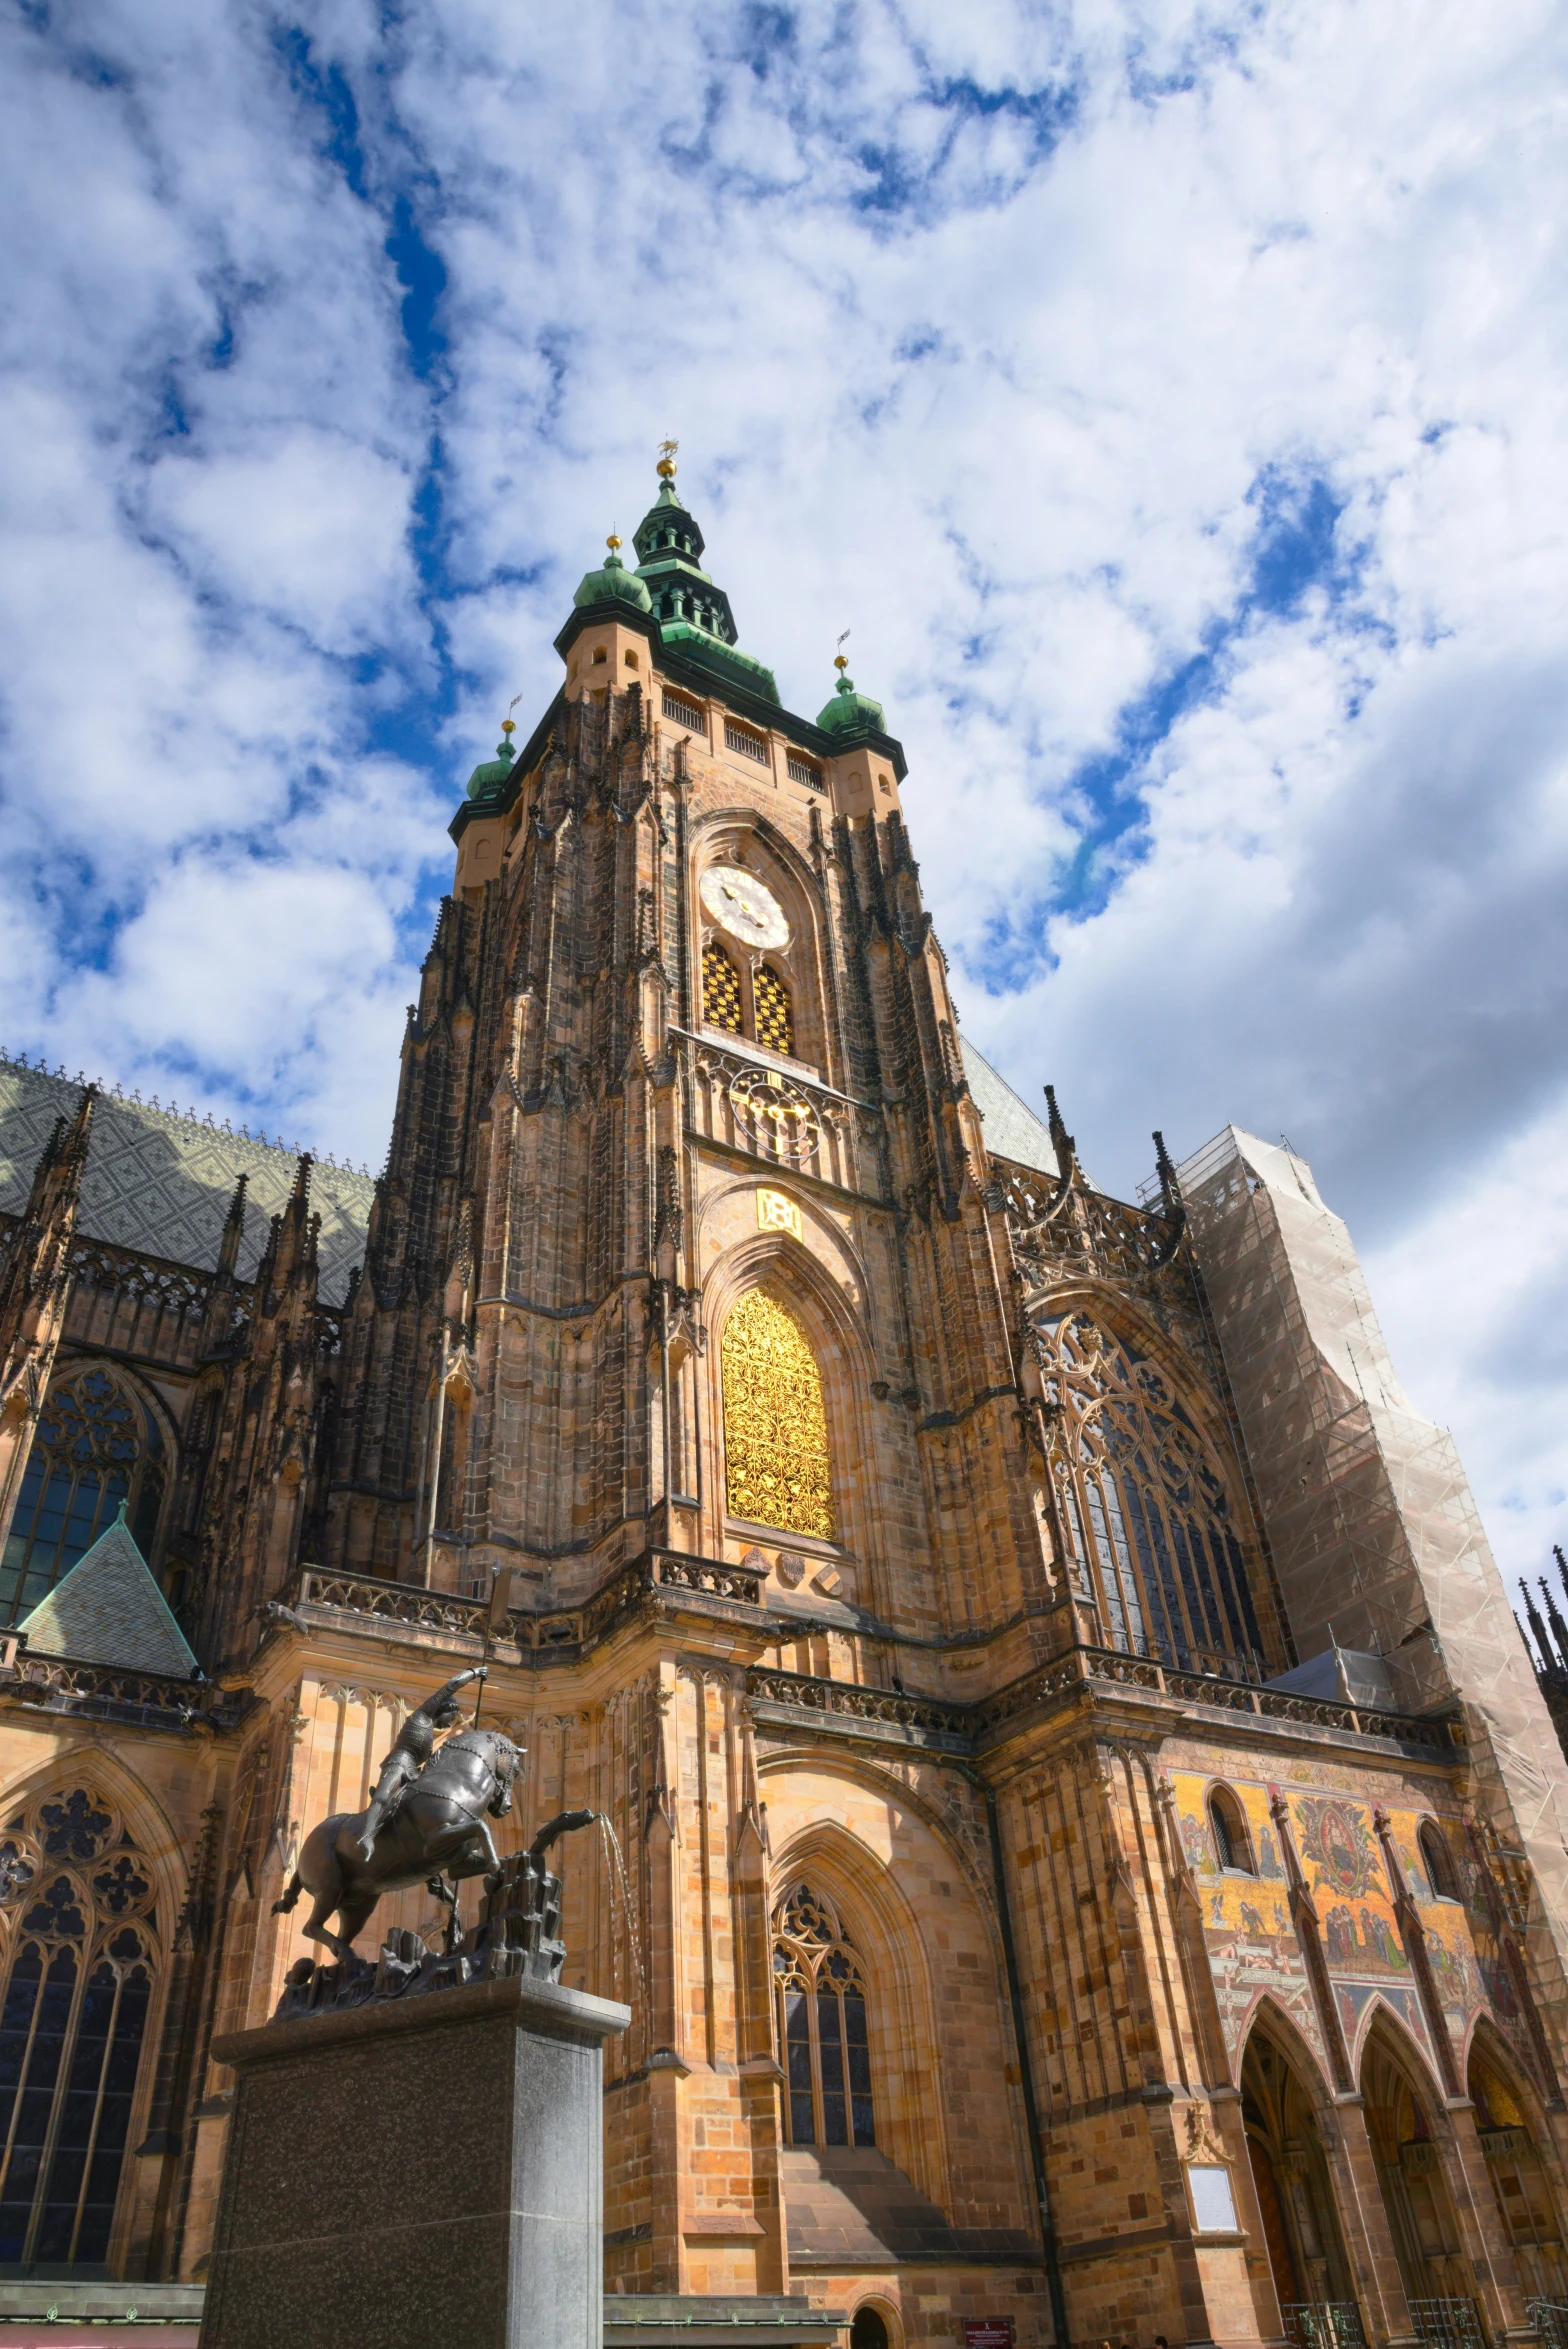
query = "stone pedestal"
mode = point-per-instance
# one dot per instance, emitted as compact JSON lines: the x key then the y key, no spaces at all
{"x":419,"y":2171}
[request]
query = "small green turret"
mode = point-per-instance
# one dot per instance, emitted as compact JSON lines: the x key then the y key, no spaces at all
{"x":850,"y":712}
{"x":613,"y":584}
{"x":488,"y":778}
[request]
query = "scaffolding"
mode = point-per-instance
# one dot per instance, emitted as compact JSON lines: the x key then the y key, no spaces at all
{"x":1376,"y":1539}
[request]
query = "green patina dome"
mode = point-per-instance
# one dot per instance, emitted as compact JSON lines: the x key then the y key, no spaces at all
{"x":850,"y":712}
{"x":613,"y":584}
{"x":488,"y":777}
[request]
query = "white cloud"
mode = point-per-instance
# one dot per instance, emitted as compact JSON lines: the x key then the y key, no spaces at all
{"x":988,"y":333}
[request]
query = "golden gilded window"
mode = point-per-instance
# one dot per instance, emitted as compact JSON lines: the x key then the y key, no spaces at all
{"x":775,"y":1425}
{"x":720,"y":991}
{"x":775,"y":1027}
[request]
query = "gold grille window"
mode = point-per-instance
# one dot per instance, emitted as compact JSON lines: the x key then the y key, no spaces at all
{"x":775,"y":1027}
{"x":720,"y":991}
{"x":822,"y":2024}
{"x":775,"y":1423}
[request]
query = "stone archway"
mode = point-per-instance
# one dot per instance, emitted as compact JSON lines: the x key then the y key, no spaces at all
{"x":1422,"y":2219}
{"x":1513,"y":2141}
{"x":1301,"y":2227}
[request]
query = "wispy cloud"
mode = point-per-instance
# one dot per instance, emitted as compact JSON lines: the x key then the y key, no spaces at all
{"x":1169,"y":397}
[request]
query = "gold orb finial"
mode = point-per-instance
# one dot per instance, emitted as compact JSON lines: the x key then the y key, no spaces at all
{"x":841,"y":660}
{"x":613,"y":543}
{"x":666,"y":465}
{"x":508,"y":725}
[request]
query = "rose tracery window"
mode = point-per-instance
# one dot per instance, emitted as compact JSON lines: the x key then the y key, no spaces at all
{"x":95,"y":1446}
{"x":777,"y":1468}
{"x":1141,"y":1506}
{"x":76,"y":1901}
{"x":822,"y":2025}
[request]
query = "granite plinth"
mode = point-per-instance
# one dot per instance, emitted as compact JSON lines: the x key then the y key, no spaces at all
{"x":420,"y":2171}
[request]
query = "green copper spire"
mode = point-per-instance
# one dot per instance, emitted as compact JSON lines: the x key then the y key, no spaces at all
{"x":694,"y":616}
{"x":850,"y":712}
{"x":612,"y":583}
{"x":487,"y":778}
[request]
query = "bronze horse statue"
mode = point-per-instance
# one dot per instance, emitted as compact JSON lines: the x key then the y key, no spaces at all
{"x":424,"y":1824}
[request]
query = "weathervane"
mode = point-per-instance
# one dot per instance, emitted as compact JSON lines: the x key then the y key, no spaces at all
{"x":840,"y":657}
{"x":666,"y":465}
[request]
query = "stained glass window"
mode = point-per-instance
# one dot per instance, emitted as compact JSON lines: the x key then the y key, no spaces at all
{"x":720,"y":991}
{"x":775,"y":1026}
{"x":73,"y":2019}
{"x":777,"y":1467}
{"x":822,"y":2025}
{"x":1142,"y":1508}
{"x":95,"y":1446}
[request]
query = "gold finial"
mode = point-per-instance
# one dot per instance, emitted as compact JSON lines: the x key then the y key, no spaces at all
{"x":841,"y":657}
{"x":613,"y":543}
{"x":508,"y":725}
{"x":666,"y":465}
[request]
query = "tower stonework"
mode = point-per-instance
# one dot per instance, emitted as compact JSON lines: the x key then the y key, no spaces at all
{"x":1033,"y":1911}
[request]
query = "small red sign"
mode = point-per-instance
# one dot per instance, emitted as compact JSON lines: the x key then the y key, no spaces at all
{"x":988,"y":2332}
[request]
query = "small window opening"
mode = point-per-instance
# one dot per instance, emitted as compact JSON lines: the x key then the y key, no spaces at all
{"x":1231,"y":1846}
{"x":1437,"y":1860}
{"x":631,"y":660}
{"x":600,"y":655}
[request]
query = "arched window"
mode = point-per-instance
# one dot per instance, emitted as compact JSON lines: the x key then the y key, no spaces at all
{"x":775,"y":1026}
{"x":720,"y":990}
{"x":869,"y":2330}
{"x":777,"y":1468}
{"x":822,"y":2025}
{"x":1142,"y":1508}
{"x":81,"y":1937}
{"x":95,"y":1446}
{"x":1232,"y":1844}
{"x":1437,"y":1860}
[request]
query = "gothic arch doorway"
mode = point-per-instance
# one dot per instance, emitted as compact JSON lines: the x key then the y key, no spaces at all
{"x":1296,"y":2197}
{"x":1421,"y":2215}
{"x":1511,"y":2141}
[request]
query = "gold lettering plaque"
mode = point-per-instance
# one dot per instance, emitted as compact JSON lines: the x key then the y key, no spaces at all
{"x":777,"y":1213}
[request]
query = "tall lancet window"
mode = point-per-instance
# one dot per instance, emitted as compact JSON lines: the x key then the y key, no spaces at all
{"x":720,"y":991}
{"x":821,"y":1996}
{"x":775,"y":1025}
{"x":1142,"y":1508}
{"x":95,"y":1446}
{"x":778,"y":1471}
{"x":76,"y":1900}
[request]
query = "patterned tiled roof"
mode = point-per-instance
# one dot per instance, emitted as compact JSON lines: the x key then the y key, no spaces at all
{"x":1011,"y":1128}
{"x":162,"y":1183}
{"x":108,"y":1610}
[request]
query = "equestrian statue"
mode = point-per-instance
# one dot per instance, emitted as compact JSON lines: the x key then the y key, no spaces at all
{"x":424,"y":1824}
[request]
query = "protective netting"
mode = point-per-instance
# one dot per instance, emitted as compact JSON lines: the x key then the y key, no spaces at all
{"x":1376,"y":1539}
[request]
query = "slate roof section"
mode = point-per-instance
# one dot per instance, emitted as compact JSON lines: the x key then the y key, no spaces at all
{"x":163,"y":1183}
{"x":852,"y":2207}
{"x":1011,"y":1128}
{"x":109,"y":1610}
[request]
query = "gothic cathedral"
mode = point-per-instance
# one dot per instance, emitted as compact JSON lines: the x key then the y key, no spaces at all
{"x":1084,"y":1849}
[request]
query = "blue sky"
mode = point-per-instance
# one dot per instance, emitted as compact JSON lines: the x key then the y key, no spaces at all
{"x":1168,"y":397}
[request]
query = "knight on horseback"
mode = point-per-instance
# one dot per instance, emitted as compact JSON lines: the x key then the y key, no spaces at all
{"x":424,"y":1824}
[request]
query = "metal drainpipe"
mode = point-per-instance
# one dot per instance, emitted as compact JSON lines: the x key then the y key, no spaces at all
{"x":1053,"y":2272}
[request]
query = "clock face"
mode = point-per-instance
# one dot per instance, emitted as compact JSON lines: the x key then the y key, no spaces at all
{"x":743,"y":906}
